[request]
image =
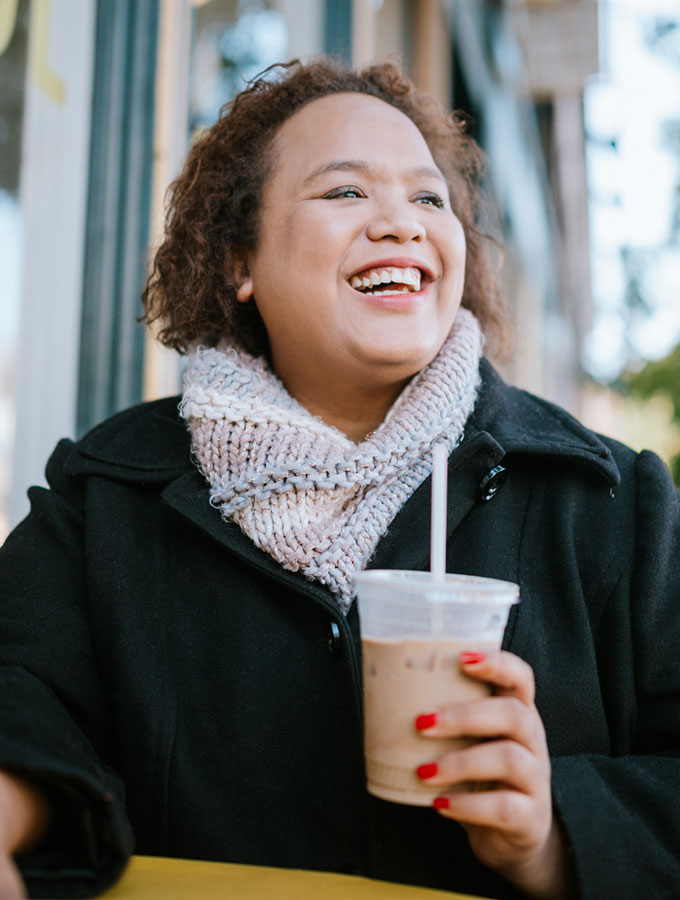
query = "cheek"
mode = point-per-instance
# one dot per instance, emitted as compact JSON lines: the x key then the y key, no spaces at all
{"x":322,"y":232}
{"x":463,"y":254}
{"x":458,"y":238}
{"x":454,"y":250}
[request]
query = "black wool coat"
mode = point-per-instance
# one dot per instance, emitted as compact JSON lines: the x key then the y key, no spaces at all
{"x":157,"y":669}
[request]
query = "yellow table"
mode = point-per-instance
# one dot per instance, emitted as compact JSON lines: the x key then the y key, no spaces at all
{"x":154,"y":878}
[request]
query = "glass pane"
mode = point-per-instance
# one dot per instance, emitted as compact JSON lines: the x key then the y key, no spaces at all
{"x":234,"y":40}
{"x":13,"y":59}
{"x":231,"y":46}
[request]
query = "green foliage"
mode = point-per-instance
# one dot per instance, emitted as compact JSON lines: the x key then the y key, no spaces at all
{"x":661,"y":376}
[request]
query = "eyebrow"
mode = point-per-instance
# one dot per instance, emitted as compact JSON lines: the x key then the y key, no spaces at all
{"x":357,"y":165}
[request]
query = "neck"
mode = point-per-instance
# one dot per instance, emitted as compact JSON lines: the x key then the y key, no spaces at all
{"x":355,"y":413}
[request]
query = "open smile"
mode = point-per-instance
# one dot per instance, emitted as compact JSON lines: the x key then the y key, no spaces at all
{"x":388,"y":281}
{"x":389,"y":278}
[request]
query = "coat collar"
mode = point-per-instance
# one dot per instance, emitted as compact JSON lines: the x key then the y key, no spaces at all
{"x":147,"y":443}
{"x":527,"y":425}
{"x":150,"y":444}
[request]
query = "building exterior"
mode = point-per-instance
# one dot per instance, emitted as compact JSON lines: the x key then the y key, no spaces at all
{"x":99,"y":101}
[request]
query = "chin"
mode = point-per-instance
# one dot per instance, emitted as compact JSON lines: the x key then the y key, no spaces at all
{"x":402,"y":361}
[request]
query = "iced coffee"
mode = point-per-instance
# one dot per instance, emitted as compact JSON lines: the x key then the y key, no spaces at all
{"x":412,"y":635}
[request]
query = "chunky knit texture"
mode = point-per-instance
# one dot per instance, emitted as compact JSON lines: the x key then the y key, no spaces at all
{"x":301,"y":489}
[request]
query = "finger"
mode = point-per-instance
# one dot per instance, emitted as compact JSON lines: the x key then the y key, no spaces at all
{"x":491,"y":718}
{"x":508,"y":811}
{"x":505,"y":672}
{"x":504,"y":762}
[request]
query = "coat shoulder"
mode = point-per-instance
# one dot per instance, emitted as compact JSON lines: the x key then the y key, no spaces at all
{"x":531,"y":427}
{"x":543,"y":434}
{"x":147,"y":442}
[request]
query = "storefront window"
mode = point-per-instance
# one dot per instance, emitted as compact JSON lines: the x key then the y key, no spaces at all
{"x":234,"y":41}
{"x":13,"y":60}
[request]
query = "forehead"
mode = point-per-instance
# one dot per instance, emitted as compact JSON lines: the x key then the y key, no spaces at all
{"x":348,"y":126}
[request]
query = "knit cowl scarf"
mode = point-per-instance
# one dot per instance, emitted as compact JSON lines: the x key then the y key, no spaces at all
{"x":299,"y":488}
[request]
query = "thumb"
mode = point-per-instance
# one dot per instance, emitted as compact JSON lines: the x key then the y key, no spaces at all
{"x":11,"y":884}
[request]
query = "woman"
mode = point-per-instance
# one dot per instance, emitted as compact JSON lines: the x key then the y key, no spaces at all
{"x":179,"y":639}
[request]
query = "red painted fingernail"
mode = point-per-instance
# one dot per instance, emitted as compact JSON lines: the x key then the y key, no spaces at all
{"x":428,"y":720}
{"x":469,"y":658}
{"x":441,"y":803}
{"x":427,"y":770}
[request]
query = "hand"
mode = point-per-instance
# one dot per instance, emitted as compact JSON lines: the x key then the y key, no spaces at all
{"x":11,"y":885}
{"x":504,"y":798}
{"x":24,"y":813}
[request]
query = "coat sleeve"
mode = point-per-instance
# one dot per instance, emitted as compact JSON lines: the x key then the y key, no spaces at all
{"x":622,"y":814}
{"x":53,"y":709}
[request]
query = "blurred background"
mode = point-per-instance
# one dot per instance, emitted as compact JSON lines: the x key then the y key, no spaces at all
{"x":577,"y":104}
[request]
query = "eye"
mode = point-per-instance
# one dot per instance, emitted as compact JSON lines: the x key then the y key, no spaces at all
{"x":431,"y":199}
{"x":348,"y":191}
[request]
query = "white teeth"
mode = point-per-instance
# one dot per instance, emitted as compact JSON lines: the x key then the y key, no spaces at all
{"x":410,"y":275}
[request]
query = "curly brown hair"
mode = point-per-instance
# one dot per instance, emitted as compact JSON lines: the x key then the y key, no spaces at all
{"x":213,"y":217}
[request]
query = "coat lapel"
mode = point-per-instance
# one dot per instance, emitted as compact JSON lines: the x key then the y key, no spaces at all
{"x":189,"y":496}
{"x":406,"y":543}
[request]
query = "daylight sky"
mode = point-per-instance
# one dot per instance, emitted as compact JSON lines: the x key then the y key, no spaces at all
{"x":634,"y":185}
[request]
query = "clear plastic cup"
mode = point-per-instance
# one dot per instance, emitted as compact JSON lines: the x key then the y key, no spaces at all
{"x":413,"y":630}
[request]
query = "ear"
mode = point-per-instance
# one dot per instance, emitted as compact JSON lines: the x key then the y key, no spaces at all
{"x":244,"y":281}
{"x":245,"y":291}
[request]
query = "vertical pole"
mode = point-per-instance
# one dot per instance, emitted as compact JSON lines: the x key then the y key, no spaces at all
{"x":432,"y":50}
{"x":363,"y":32}
{"x":112,"y":341}
{"x":171,"y":104}
{"x":338,"y":27}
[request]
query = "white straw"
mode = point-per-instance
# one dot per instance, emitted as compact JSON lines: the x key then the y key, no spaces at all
{"x":438,"y":512}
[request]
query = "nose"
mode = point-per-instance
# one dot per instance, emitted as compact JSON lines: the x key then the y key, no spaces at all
{"x":395,"y":223}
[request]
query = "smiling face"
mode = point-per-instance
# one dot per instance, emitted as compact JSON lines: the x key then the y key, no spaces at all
{"x":358,"y":272}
